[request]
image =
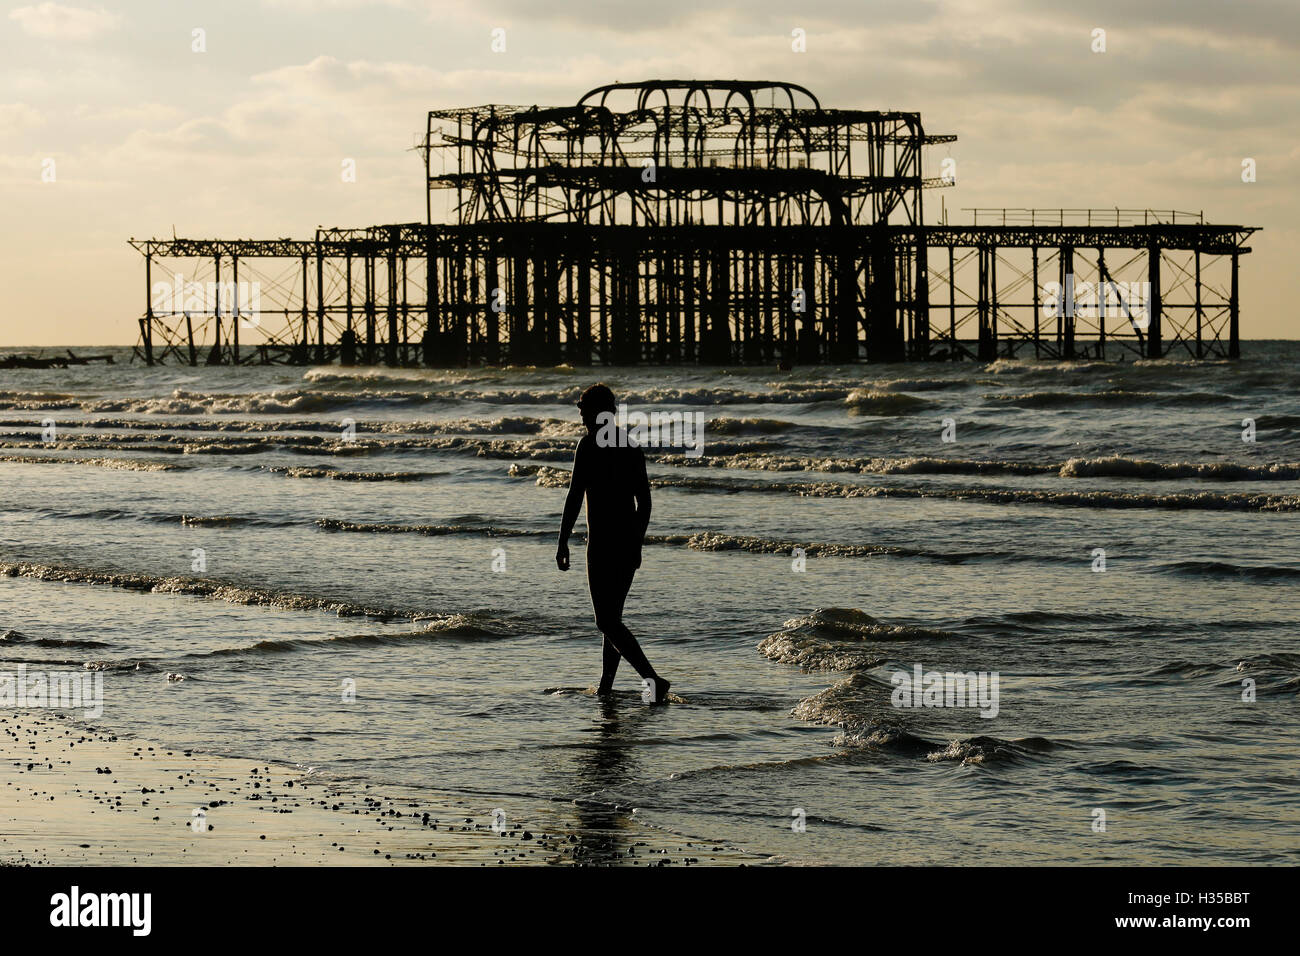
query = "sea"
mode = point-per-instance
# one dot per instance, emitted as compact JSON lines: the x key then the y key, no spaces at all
{"x":1011,"y":613}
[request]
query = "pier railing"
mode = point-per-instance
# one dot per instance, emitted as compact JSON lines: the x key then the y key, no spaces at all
{"x":1007,"y":216}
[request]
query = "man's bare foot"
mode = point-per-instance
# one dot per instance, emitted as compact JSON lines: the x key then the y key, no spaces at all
{"x":603,"y":691}
{"x":661,"y":691}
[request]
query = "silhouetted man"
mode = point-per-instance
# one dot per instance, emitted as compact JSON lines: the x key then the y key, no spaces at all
{"x":610,"y":471}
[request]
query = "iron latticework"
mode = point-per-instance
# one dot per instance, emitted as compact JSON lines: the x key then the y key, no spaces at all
{"x":699,"y":221}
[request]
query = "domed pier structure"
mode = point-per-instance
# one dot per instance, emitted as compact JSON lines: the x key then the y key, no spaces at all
{"x":688,"y":221}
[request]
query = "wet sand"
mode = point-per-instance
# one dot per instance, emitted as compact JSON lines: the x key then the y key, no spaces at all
{"x":78,"y":795}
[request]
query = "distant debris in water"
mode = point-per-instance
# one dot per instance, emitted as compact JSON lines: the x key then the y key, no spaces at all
{"x":57,"y":361}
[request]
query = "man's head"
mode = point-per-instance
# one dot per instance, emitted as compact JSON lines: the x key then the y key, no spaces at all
{"x":595,"y":400}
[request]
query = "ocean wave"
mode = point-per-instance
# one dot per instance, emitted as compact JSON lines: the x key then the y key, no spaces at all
{"x":920,"y":384}
{"x":861,"y":705}
{"x":12,"y":638}
{"x":399,"y":394}
{"x":538,"y":448}
{"x":1093,"y":627}
{"x":748,"y":426}
{"x":707,"y":541}
{"x":1006,"y":366}
{"x":218,"y":521}
{"x":832,"y":639}
{"x":448,"y":627}
{"x":1117,"y":466}
{"x":862,"y":701}
{"x":119,"y":464}
{"x":1224,"y":569}
{"x":1268,"y":674}
{"x":549,"y":477}
{"x":1117,"y":396}
{"x":1183,"y":364}
{"x":1188,"y":670}
{"x":974,"y":751}
{"x":861,"y":401}
{"x":919,"y":465}
{"x":201,"y":588}
{"x":546,"y":476}
{"x":1275,"y":675}
{"x":431,"y":530}
{"x":120,"y":666}
{"x":153,"y":517}
{"x":721,"y":541}
{"x":1277,"y":421}
{"x":519,"y":425}
{"x":337,"y":475}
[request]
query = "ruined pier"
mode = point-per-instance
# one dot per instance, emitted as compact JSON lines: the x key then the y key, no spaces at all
{"x":709,"y":222}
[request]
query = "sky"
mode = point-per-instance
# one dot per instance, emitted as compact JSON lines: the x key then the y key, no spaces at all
{"x":143,"y":135}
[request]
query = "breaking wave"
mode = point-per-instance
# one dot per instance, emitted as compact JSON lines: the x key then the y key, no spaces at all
{"x":833,"y":638}
{"x":200,"y":587}
{"x":1117,"y":466}
{"x":549,"y":477}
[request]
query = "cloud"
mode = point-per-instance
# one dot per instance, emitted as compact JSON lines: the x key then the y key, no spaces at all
{"x":19,"y":116}
{"x":54,"y":21}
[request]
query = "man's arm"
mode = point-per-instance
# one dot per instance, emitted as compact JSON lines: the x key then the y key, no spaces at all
{"x":572,"y":506}
{"x":641,"y":491}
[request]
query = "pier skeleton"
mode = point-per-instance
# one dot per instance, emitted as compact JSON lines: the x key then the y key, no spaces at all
{"x":711,"y":222}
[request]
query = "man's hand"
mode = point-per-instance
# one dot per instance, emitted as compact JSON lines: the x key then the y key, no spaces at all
{"x":562,"y":557}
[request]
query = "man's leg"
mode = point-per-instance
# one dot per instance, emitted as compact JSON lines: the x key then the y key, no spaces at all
{"x":610,"y":582}
{"x":612,"y":657}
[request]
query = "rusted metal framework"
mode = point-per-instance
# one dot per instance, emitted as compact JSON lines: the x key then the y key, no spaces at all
{"x":695,"y":222}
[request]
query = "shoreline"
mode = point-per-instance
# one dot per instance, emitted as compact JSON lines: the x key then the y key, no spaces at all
{"x":79,"y":795}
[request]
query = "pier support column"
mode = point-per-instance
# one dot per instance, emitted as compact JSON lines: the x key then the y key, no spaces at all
{"x":953,"y":352}
{"x":234,"y":315}
{"x":921,"y":328}
{"x":433,"y":341}
{"x":320,"y":304}
{"x":492,"y":343}
{"x":520,"y":353}
{"x":1065,"y":310}
{"x":844,"y":337}
{"x":370,"y":307}
{"x":1234,"y":341}
{"x":301,"y":353}
{"x":1200,"y":339}
{"x":987,"y":342}
{"x":885,"y":338}
{"x":993,"y":299}
{"x":146,"y":324}
{"x":1155,"y":344}
{"x":1038,"y":344}
{"x":348,"y":344}
{"x":582,"y":320}
{"x":390,"y":347}
{"x":1103,"y":278}
{"x":715,"y":340}
{"x":214,"y":353}
{"x":809,"y":350}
